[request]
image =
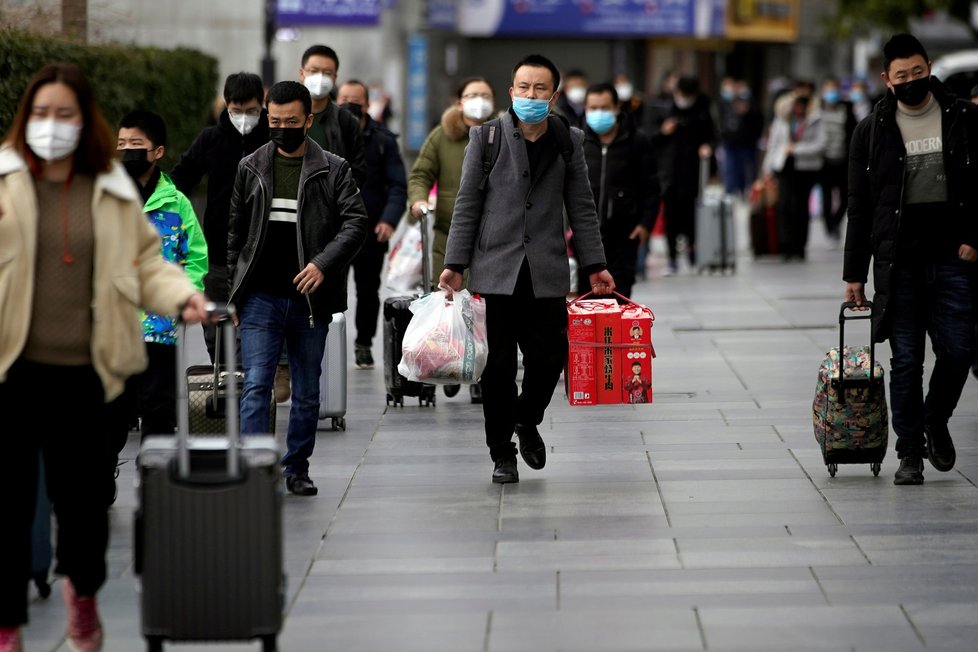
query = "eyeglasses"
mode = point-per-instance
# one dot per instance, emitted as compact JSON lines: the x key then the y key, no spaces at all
{"x":251,"y":113}
{"x":472,"y":96}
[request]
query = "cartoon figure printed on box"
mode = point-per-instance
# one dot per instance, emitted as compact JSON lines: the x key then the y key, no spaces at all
{"x":638,"y":387}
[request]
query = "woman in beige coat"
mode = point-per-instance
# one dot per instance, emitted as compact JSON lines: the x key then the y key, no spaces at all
{"x":78,"y":261}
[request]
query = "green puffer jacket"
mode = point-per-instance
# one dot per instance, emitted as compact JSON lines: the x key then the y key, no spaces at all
{"x":440,"y":161}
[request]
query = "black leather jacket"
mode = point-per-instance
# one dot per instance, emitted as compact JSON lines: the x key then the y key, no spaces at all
{"x":877,"y":158}
{"x":331,"y":222}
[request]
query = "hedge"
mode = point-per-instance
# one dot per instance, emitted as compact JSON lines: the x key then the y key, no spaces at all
{"x":178,"y":84}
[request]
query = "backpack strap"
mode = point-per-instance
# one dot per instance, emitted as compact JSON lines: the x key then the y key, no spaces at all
{"x":562,"y":135}
{"x":490,"y":149}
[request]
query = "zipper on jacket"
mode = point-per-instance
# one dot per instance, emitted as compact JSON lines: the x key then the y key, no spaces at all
{"x":261,"y":230}
{"x":298,"y":236}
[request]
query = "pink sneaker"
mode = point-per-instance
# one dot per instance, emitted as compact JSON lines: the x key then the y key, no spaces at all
{"x":84,"y":628}
{"x":10,"y":640}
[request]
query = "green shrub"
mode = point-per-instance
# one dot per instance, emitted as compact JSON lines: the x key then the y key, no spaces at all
{"x":178,"y":84}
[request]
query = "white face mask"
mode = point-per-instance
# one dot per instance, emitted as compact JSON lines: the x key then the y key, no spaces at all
{"x":624,"y":92}
{"x":684,"y":102}
{"x":576,"y":95}
{"x":319,"y":85}
{"x":244,"y":123}
{"x":477,"y":108}
{"x":52,"y":140}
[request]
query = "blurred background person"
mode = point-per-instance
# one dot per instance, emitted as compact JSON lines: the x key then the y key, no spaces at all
{"x":795,"y":150}
{"x":838,"y":122}
{"x":384,"y":195}
{"x":739,"y":130}
{"x":686,"y":135}
{"x":570,"y":102}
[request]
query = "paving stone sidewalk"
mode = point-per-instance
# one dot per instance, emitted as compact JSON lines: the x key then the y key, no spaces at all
{"x":705,"y":521}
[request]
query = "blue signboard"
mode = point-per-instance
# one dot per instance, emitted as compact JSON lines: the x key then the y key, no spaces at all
{"x":580,"y":17}
{"x":417,"y":91}
{"x":441,"y":14}
{"x":328,"y":12}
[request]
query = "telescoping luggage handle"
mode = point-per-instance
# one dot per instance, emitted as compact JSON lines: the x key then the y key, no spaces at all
{"x":843,"y":318}
{"x":223,"y":314}
{"x":425,"y":262}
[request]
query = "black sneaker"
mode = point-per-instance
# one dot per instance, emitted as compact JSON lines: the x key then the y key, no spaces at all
{"x":363,"y":357}
{"x":505,"y":471}
{"x":475,"y":392}
{"x":301,"y":485}
{"x":911,"y":471}
{"x":940,"y":448}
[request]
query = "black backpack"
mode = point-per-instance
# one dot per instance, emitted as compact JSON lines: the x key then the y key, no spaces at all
{"x":490,"y":144}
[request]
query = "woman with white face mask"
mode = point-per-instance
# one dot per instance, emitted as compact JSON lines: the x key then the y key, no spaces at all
{"x":440,"y":163}
{"x":79,"y":261}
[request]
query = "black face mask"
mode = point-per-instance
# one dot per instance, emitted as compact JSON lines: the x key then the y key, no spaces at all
{"x":287,"y":139}
{"x":355,"y":109}
{"x":135,"y":162}
{"x":913,"y":92}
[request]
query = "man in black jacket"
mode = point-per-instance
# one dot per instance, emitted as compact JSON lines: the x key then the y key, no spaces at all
{"x":335,"y":130}
{"x":296,"y":222}
{"x":215,"y":153}
{"x":912,"y":210}
{"x":385,"y":196}
{"x":622,"y":170}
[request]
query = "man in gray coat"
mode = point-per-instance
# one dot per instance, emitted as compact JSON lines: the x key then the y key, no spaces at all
{"x":508,"y":230}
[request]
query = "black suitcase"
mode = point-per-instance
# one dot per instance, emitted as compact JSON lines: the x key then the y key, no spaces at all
{"x":208,"y":531}
{"x":207,"y":392}
{"x":397,"y":315}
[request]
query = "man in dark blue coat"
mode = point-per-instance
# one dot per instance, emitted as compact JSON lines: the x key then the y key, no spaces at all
{"x":384,"y":193}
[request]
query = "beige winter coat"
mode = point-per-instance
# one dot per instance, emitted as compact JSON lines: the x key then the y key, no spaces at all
{"x":129,"y":273}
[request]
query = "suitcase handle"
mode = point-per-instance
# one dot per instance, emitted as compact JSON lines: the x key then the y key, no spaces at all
{"x":425,"y":261}
{"x":843,"y":318}
{"x":223,"y":315}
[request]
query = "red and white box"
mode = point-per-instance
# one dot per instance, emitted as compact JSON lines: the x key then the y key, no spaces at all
{"x":592,"y":375}
{"x":636,"y":354}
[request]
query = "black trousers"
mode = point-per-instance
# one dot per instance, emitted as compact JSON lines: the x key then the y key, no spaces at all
{"x":794,"y":189}
{"x":679,"y":209}
{"x":153,"y":393}
{"x":621,"y":254}
{"x":835,"y":177}
{"x":50,"y":408}
{"x":539,"y":328}
{"x":366,"y":276}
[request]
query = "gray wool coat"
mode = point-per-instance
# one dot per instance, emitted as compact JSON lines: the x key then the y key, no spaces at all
{"x":493,"y":230}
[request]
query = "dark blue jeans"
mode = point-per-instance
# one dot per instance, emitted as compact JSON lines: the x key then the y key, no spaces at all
{"x":935,"y":299}
{"x":267,"y":323}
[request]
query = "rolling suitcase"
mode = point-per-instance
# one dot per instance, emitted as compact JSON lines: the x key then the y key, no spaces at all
{"x":397,"y":314}
{"x":207,"y":389}
{"x":714,"y":226}
{"x":332,"y":380}
{"x":208,"y":531}
{"x":849,"y":411}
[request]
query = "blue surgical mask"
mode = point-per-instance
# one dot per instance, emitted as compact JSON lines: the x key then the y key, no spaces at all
{"x":856,"y":96}
{"x":830,"y":96}
{"x":531,"y":111}
{"x":600,"y":121}
{"x":727,"y":94}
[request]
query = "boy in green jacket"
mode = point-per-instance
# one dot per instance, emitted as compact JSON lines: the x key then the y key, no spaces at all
{"x":142,"y":144}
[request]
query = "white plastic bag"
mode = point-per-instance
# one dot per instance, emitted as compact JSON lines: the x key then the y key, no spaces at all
{"x":405,"y":264}
{"x":445,"y":341}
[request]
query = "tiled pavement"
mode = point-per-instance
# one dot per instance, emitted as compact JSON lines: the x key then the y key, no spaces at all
{"x":705,"y":521}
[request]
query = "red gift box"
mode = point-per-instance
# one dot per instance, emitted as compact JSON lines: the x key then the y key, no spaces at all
{"x":636,"y":354}
{"x":592,"y":372}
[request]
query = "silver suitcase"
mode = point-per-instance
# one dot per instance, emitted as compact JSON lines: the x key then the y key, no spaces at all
{"x":715,"y":250}
{"x":332,"y":380}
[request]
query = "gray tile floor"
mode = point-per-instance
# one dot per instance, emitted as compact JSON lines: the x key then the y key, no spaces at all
{"x":705,"y":521}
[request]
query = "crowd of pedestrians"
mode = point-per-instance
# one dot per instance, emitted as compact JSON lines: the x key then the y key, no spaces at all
{"x":305,"y":182}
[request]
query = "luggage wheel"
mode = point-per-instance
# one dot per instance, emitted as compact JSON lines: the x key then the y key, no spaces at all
{"x":339,"y":423}
{"x":875,"y":467}
{"x":268,"y":643}
{"x":154,"y":644}
{"x":832,"y":467}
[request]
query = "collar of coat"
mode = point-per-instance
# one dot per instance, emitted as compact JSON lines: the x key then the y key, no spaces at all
{"x":115,"y":182}
{"x":453,"y":124}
